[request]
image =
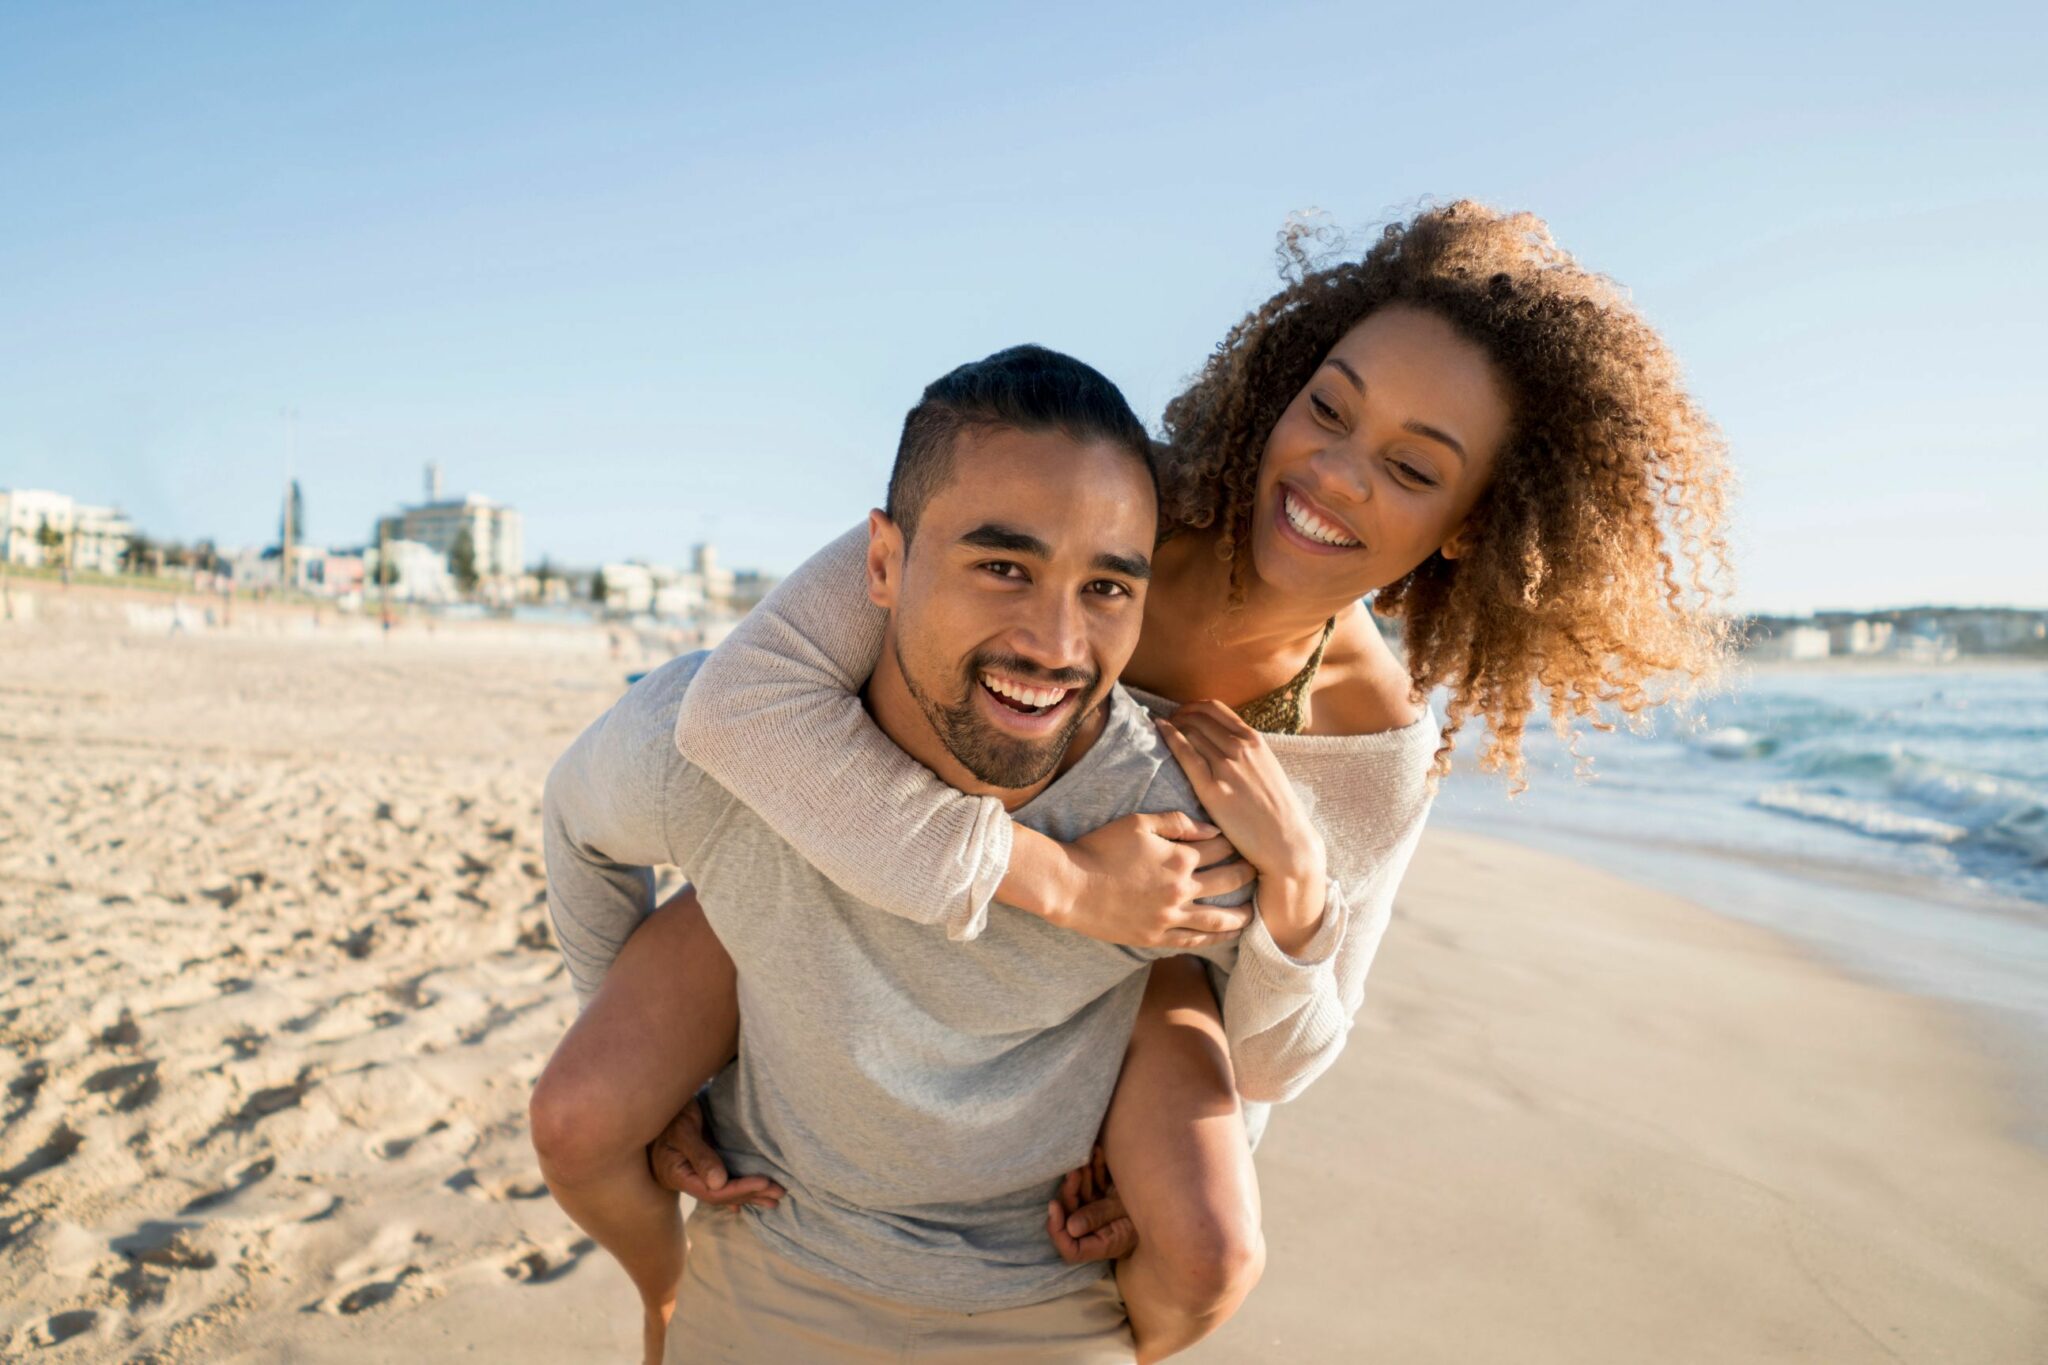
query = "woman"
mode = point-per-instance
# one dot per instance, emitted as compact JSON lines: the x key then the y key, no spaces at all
{"x":1464,"y":424}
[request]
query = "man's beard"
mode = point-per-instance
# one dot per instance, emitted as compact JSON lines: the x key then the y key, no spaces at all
{"x":993,"y":757}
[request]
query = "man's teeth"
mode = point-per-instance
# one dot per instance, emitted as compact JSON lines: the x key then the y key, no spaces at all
{"x":1313,"y":526}
{"x":1017,"y":692}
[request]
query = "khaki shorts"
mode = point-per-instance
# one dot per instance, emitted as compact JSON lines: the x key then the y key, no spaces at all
{"x":742,"y":1304}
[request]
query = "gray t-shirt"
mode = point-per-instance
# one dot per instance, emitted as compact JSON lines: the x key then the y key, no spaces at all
{"x":919,"y":1098}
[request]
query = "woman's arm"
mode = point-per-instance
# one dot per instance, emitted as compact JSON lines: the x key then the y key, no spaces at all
{"x":1300,"y":973}
{"x":775,"y":716}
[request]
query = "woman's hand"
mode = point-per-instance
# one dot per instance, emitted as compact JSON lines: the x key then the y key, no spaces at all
{"x":1246,"y":792}
{"x":1134,"y":881}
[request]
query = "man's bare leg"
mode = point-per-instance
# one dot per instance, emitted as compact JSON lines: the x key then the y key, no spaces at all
{"x":664,"y":1020}
{"x":1175,"y":1143}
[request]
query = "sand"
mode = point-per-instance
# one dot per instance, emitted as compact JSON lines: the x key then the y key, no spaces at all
{"x":277,"y":983}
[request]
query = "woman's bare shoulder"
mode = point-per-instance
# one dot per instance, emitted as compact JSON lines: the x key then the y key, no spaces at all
{"x":1362,"y":687}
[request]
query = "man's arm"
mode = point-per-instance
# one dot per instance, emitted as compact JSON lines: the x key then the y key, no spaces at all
{"x":620,"y":802}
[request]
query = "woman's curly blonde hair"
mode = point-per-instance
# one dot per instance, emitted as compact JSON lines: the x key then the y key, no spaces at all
{"x":1595,"y":560}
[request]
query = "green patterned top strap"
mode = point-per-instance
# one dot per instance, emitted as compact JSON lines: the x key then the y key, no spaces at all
{"x":1284,"y":710}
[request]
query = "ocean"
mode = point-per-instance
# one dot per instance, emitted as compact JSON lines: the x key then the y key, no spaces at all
{"x":1895,"y":821}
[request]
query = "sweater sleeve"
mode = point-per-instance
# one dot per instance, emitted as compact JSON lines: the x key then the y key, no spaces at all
{"x":775,"y":716}
{"x":1286,"y":1017}
{"x":617,"y":804}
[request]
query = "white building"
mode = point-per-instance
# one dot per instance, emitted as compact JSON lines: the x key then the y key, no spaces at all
{"x":496,"y":535}
{"x":423,"y":574}
{"x":91,"y":538}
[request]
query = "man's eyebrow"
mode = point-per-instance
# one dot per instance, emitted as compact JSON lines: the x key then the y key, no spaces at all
{"x":1419,"y":428}
{"x":992,"y":535}
{"x":1130,"y":566}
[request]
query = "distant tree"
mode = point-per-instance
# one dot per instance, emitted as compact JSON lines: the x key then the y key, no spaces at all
{"x":135,"y":554}
{"x":598,"y":591}
{"x":462,"y":561}
{"x":49,"y":537}
{"x":203,"y":556}
{"x":543,"y":576}
{"x":294,"y":510}
{"x":386,"y":574}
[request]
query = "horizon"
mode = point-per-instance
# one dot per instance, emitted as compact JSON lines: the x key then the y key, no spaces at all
{"x":676,"y":277}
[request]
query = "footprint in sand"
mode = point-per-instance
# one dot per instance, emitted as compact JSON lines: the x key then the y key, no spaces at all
{"x":247,"y":1176}
{"x":538,"y":1265}
{"x":60,"y":1327}
{"x":156,"y":1251}
{"x":55,"y":1151}
{"x":372,"y":1293}
{"x":136,"y":1083}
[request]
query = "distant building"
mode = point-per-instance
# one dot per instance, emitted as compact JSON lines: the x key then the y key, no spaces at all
{"x":91,"y":538}
{"x":749,"y":586}
{"x":1858,"y":636}
{"x":496,"y":534}
{"x":422,"y":572}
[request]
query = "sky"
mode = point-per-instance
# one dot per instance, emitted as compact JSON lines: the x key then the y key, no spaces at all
{"x":659,"y":273}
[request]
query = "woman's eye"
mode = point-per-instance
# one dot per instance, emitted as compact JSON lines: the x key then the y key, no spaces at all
{"x":1410,"y":474}
{"x":1323,"y":409}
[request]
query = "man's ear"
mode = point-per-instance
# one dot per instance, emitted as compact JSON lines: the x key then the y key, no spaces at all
{"x":1459,"y":543}
{"x":885,"y":560}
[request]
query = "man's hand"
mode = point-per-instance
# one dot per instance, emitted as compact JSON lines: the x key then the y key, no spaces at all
{"x":1135,"y":881}
{"x":1087,"y":1222}
{"x":683,"y":1159}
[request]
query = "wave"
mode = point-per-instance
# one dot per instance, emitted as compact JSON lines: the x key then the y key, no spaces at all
{"x":1893,"y":793}
{"x":1865,"y":817}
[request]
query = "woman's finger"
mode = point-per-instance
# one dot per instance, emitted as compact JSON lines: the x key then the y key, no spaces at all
{"x":1211,"y":852}
{"x":1214,"y":759}
{"x":1192,"y":761}
{"x":1224,"y":879}
{"x":1213,"y":919}
{"x":1221,"y":716}
{"x":1206,"y":733}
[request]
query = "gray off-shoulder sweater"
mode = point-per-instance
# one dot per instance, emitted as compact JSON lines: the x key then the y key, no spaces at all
{"x":775,"y":716}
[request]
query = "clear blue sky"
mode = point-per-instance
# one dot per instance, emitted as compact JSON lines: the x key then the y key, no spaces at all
{"x":653,"y":273}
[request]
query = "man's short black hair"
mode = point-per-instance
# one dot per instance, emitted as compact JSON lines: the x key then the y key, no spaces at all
{"x":1024,"y":388}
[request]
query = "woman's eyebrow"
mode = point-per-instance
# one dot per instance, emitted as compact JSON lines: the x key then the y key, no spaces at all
{"x":1425,"y":429}
{"x":1419,"y":428}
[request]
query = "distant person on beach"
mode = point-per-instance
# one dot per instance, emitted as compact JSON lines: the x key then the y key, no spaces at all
{"x":1466,"y":424}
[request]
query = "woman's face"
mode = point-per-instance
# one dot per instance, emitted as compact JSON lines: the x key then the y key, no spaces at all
{"x":1379,"y":459}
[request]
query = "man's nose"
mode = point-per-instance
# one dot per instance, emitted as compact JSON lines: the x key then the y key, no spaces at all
{"x":1053,"y":635}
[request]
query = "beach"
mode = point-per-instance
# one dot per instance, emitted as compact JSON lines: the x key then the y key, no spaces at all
{"x":278,"y":982}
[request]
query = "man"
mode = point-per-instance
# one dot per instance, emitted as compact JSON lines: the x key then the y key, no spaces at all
{"x":918,"y":1099}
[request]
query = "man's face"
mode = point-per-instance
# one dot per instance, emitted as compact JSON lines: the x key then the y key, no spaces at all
{"x":1020,"y":598}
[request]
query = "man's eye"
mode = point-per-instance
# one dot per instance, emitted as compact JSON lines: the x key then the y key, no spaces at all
{"x":1109,"y":588}
{"x":1003,"y":568}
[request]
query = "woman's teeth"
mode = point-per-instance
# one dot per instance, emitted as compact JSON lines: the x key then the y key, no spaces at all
{"x":1025,"y":698}
{"x":1311,"y":525}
